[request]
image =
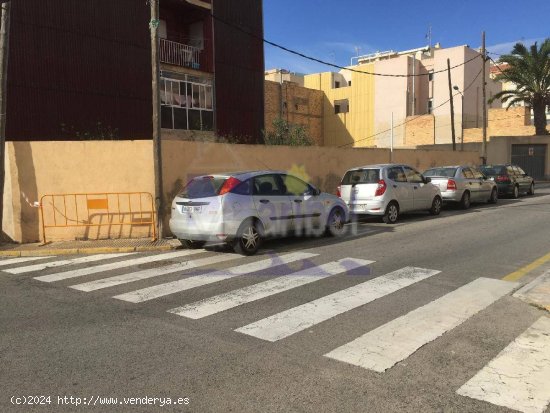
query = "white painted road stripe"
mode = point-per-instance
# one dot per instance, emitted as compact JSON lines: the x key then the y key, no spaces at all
{"x":173,"y":287}
{"x":153,"y":272}
{"x":115,"y":265}
{"x":19,"y":260}
{"x":519,"y":377}
{"x":80,"y":260}
{"x":299,"y":318}
{"x":393,"y":342}
{"x":264,"y":289}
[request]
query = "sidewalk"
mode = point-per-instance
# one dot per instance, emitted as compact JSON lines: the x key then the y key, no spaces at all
{"x":87,"y":247}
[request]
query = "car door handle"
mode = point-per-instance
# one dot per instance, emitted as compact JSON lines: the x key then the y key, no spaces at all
{"x":470,"y":183}
{"x":298,"y":200}
{"x":264,"y":201}
{"x":395,"y":186}
{"x":415,"y":187}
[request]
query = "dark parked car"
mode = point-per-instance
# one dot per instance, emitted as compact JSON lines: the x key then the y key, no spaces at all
{"x":510,"y":179}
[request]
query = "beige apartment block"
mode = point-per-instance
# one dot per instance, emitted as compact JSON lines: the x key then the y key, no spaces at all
{"x":363,"y":101}
{"x":295,"y":104}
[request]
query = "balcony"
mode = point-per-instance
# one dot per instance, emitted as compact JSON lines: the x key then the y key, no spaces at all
{"x":179,"y":54}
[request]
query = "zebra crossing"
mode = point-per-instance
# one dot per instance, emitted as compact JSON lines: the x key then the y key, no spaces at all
{"x":378,"y":350}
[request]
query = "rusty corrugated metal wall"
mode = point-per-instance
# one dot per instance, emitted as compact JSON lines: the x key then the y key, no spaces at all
{"x":77,"y":63}
{"x":239,"y":68}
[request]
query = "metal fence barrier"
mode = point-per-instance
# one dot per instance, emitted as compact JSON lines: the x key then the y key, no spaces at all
{"x":108,"y":209}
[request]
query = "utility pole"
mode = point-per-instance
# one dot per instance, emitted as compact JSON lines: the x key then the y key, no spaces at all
{"x":157,"y":153}
{"x":484,"y":103}
{"x":4,"y":52}
{"x":452,"y":105}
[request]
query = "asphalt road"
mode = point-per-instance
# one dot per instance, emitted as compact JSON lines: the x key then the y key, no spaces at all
{"x":58,"y":341}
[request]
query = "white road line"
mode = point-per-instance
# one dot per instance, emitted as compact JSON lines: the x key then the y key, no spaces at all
{"x":173,"y":287}
{"x":299,"y":318}
{"x":115,"y":265}
{"x":393,"y":342}
{"x":80,"y":260}
{"x":153,"y":272}
{"x":519,"y":377}
{"x":19,"y":260}
{"x":264,"y":289}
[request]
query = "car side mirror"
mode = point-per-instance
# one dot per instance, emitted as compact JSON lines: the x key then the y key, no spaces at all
{"x":427,"y":179}
{"x":316,"y":192}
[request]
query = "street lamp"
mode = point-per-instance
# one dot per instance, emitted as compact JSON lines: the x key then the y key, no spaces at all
{"x":461,"y":118}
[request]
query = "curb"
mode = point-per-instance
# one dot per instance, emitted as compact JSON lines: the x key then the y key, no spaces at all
{"x":90,"y":250}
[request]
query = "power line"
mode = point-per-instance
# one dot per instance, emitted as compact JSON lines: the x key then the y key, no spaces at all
{"x":412,"y":118}
{"x":314,"y":59}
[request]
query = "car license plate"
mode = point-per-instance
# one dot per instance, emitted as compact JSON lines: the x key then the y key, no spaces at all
{"x":359,"y":207}
{"x":191,"y":208}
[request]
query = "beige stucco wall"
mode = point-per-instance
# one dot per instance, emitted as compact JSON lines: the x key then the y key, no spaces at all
{"x":499,"y":149}
{"x":34,"y":169}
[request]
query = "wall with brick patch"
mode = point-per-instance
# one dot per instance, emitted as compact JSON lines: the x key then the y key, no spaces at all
{"x":295,"y":104}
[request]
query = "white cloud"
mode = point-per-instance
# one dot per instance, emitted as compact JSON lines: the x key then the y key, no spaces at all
{"x":505,"y":48}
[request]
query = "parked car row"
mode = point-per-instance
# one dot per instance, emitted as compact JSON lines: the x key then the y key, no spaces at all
{"x":243,"y":208}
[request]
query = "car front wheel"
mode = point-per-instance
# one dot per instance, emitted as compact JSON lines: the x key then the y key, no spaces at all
{"x":436,"y":206}
{"x":531,"y":189}
{"x":494,"y":196}
{"x":249,"y":238}
{"x":335,"y":223}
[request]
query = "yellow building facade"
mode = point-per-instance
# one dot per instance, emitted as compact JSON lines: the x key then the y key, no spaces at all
{"x":348,"y":107}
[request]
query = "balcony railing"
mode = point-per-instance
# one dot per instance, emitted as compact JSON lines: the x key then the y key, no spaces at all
{"x":179,"y":54}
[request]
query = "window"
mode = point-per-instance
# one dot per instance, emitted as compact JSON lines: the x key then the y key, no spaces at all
{"x":477,"y":174}
{"x":413,"y":176}
{"x":446,"y":172}
{"x":186,"y":102}
{"x":341,"y":106}
{"x":295,"y":186}
{"x":361,"y":176}
{"x":520,"y":171}
{"x":244,"y":188}
{"x":267,"y":185}
{"x":336,"y":85}
{"x":396,"y":174}
{"x":430,"y":75}
{"x":467,"y":173}
{"x":430,"y":106}
{"x":349,"y":83}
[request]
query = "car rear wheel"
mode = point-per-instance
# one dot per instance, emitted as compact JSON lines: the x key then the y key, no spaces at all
{"x":336,"y":222}
{"x":494,"y":196}
{"x":191,"y":245}
{"x":465,"y":201}
{"x":436,"y":206}
{"x":531,"y":189}
{"x":515,"y":193}
{"x":249,"y":238}
{"x":391,"y":214}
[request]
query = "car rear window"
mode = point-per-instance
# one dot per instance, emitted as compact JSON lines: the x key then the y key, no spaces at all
{"x":493,"y":170}
{"x":361,"y":176}
{"x":446,"y":172}
{"x":203,"y":187}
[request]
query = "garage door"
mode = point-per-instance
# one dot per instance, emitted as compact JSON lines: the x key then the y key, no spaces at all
{"x":531,"y":158}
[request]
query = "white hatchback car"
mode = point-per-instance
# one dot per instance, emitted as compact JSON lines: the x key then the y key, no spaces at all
{"x":388,"y":190}
{"x":241,"y":208}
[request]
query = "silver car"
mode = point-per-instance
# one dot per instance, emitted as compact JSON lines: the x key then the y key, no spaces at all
{"x":388,"y":190}
{"x":463,"y":184}
{"x":242,"y":208}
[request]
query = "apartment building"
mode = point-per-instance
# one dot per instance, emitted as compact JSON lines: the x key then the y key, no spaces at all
{"x":82,"y":69}
{"x":362,"y":106}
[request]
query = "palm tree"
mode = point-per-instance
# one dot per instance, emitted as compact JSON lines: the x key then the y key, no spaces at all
{"x":529,"y":70}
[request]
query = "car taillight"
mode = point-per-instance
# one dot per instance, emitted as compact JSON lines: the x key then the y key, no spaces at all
{"x":381,"y":188}
{"x":339,"y":191}
{"x":502,"y":178}
{"x":451,"y":185}
{"x":228,"y":185}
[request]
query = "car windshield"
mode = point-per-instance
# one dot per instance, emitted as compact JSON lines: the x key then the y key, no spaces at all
{"x":493,"y":170}
{"x":447,"y":172}
{"x":203,"y":187}
{"x":361,"y":176}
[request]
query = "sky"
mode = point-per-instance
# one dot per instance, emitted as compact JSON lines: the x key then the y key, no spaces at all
{"x":337,"y":30}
